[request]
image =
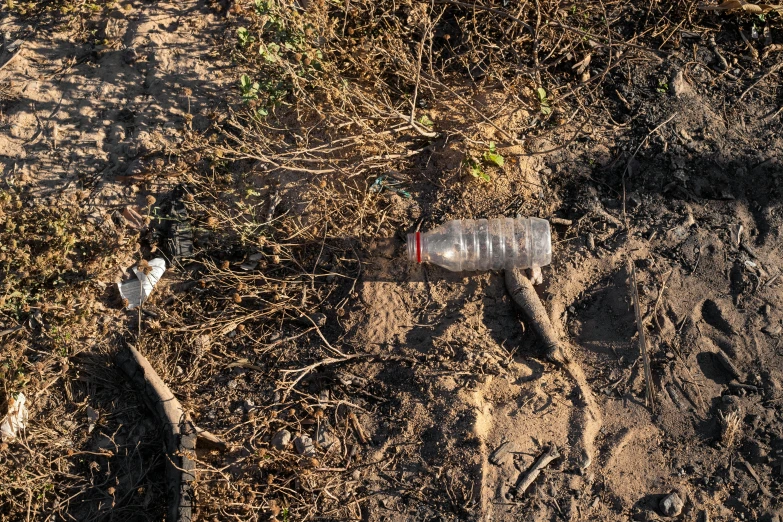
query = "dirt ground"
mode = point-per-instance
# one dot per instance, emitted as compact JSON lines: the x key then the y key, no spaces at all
{"x":299,"y":316}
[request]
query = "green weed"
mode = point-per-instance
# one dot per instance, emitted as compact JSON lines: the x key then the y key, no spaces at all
{"x":249,"y":88}
{"x":244,"y":37}
{"x":476,"y":169}
{"x":543,"y":102}
{"x":491,"y":156}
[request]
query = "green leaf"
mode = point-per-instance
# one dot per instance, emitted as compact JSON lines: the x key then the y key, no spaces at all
{"x":244,"y":81}
{"x":496,"y":159}
{"x":475,"y":169}
{"x":541,"y":94}
{"x":546,"y":110}
{"x":426,"y":121}
{"x":270,"y":52}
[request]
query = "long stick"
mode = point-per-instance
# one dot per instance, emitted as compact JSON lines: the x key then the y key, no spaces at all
{"x":649,"y":391}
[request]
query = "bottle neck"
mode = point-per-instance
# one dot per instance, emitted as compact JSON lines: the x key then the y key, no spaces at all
{"x":414,"y":247}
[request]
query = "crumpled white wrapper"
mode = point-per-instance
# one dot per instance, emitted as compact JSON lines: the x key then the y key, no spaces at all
{"x":16,"y":419}
{"x":137,"y":290}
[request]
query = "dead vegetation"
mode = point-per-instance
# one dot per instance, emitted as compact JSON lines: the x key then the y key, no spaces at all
{"x":338,"y":112}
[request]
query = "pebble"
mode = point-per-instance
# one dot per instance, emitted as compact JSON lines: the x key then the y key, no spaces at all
{"x":281,"y":439}
{"x":326,"y":441}
{"x":318,"y":318}
{"x":671,"y":505}
{"x":727,"y":365}
{"x":772,"y":329}
{"x":304,"y":446}
{"x":680,"y":86}
{"x":130,"y":55}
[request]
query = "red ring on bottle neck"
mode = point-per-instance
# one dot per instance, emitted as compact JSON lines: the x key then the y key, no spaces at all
{"x":418,"y":247}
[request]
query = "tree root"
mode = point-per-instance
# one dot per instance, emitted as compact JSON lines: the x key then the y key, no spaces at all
{"x":588,"y":418}
{"x":180,"y":434}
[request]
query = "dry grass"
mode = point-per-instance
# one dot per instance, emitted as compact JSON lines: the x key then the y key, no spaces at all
{"x":730,"y":428}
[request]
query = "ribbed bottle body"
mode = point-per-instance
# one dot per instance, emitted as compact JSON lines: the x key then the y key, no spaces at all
{"x":484,"y":244}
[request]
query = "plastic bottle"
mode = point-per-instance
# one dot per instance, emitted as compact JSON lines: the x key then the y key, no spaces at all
{"x":484,"y":244}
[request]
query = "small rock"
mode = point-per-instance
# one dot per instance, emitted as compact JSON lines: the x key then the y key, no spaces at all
{"x":772,"y":329}
{"x":318,"y":318}
{"x":304,"y":446}
{"x":92,"y":418}
{"x":736,"y":234}
{"x":535,"y":275}
{"x":130,"y":55}
{"x":680,"y":86}
{"x":326,"y":441}
{"x":726,"y":363}
{"x":281,"y":439}
{"x":501,"y":453}
{"x":671,"y":505}
{"x":356,"y":474}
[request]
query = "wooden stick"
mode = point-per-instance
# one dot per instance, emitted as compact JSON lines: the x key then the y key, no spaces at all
{"x":526,"y":298}
{"x":755,"y":475}
{"x":357,"y":428}
{"x":179,"y":433}
{"x":526,"y":479}
{"x":10,"y":331}
{"x":649,"y":391}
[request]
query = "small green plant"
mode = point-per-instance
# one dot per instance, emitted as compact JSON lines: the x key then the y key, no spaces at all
{"x":491,"y":156}
{"x":543,"y":102}
{"x":426,"y":121}
{"x":663,"y":86}
{"x":476,"y":170}
{"x":249,"y":88}
{"x":270,"y":52}
{"x":285,"y":514}
{"x":244,"y":37}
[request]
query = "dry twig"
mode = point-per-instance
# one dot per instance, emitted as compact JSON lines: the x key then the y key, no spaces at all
{"x":530,"y":476}
{"x":649,"y":391}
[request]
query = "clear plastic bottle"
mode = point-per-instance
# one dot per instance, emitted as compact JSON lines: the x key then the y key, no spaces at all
{"x":484,"y":244}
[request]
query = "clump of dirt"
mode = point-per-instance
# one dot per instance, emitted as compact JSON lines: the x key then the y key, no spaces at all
{"x":300,"y":141}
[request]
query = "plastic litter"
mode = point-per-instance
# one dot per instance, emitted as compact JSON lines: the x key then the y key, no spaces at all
{"x":92,"y":418}
{"x":137,"y":290}
{"x":481,"y":244}
{"x":384,"y":182}
{"x":180,"y":234}
{"x":16,"y":419}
